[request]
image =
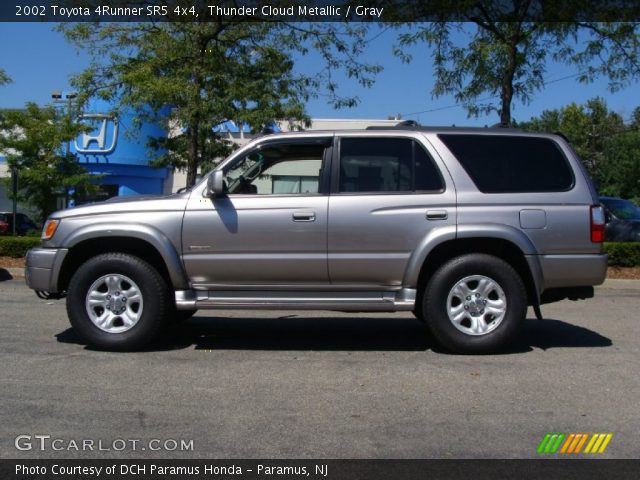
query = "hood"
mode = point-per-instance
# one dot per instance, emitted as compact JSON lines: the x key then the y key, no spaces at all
{"x":132,"y":198}
{"x":127,"y":204}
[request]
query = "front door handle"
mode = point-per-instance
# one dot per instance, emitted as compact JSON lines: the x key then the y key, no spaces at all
{"x":304,"y":216}
{"x":437,"y":215}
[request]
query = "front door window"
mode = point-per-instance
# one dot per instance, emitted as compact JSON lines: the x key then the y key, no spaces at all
{"x":286,"y":169}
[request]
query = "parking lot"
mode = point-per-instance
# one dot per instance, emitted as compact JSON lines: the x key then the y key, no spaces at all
{"x":330,"y":385}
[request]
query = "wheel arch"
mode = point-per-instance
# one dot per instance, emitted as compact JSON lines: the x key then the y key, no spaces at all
{"x":433,"y":257}
{"x":139,"y":240}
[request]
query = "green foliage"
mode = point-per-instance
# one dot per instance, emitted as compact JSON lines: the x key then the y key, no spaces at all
{"x":17,"y":247}
{"x":623,"y":254}
{"x":4,"y":78}
{"x":504,"y":57}
{"x":35,"y":142}
{"x":212,"y":72}
{"x":609,"y":149}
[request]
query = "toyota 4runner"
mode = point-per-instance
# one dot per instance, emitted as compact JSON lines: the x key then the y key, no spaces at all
{"x":463,"y":227}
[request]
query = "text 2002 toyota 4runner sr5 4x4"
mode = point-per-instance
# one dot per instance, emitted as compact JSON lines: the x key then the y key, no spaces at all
{"x":464,"y":227}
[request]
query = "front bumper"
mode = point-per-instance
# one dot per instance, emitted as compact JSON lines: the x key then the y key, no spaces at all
{"x":42,"y":268}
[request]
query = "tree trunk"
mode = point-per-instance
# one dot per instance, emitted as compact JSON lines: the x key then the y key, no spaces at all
{"x":192,"y":161}
{"x":507,"y":87}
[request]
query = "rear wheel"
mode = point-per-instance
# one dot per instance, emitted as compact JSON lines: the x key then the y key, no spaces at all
{"x":475,"y":303}
{"x":117,"y":301}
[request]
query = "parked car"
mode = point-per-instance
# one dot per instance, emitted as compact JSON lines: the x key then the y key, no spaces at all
{"x":623,"y":220}
{"x":4,"y":225}
{"x":24,"y":224}
{"x":464,"y":227}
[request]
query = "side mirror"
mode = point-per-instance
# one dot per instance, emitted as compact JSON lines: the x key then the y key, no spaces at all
{"x":215,"y":184}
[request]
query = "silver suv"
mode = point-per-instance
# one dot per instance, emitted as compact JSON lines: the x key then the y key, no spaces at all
{"x":463,"y":227}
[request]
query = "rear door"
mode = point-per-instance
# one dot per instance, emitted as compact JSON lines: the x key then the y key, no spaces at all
{"x":388,"y":193}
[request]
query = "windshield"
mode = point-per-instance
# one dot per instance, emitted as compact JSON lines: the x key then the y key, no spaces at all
{"x":623,"y":209}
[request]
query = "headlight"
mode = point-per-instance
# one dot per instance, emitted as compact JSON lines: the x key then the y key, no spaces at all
{"x":49,"y":229}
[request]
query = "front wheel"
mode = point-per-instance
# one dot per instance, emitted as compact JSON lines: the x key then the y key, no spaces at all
{"x":475,"y":303}
{"x":117,"y":301}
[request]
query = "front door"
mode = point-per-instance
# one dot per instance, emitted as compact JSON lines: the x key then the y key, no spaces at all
{"x":270,"y":229}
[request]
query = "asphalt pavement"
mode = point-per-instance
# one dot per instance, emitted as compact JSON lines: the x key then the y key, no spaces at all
{"x":242,"y":384}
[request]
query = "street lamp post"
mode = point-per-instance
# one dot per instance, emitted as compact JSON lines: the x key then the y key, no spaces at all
{"x":66,"y":102}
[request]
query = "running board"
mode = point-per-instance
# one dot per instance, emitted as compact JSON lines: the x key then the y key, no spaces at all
{"x":401,"y":300}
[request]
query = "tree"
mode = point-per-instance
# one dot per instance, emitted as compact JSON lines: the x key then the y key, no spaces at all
{"x":4,"y":78}
{"x":211,"y":72}
{"x":623,"y":154}
{"x":504,"y":56}
{"x":34,"y":142}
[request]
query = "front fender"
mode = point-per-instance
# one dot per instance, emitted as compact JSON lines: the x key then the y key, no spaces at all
{"x":144,"y":232}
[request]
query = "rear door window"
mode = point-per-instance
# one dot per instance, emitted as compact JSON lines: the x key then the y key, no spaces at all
{"x":379,"y":165}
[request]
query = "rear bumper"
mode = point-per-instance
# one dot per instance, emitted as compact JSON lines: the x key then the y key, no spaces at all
{"x":42,"y":268}
{"x":572,"y":270}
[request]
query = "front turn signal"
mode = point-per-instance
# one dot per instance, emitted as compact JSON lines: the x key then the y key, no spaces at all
{"x":49,"y":229}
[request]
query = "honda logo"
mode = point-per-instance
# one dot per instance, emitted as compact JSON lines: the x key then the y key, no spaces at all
{"x":95,"y":142}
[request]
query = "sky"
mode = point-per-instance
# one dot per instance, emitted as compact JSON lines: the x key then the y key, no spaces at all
{"x":40,"y":60}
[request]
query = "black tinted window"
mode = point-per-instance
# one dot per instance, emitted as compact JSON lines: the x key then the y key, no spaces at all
{"x":427,"y":176}
{"x":511,"y":164}
{"x":386,"y":165}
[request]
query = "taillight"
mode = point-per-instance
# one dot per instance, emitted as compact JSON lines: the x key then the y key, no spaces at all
{"x":597,"y":224}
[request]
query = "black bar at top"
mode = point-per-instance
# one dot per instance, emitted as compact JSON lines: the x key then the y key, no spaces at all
{"x":317,"y":11}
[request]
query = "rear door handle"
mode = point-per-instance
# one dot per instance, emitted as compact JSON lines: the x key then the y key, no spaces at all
{"x":437,"y":214}
{"x":304,"y":216}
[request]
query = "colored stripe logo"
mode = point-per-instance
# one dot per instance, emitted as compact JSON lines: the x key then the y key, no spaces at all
{"x":573,"y":443}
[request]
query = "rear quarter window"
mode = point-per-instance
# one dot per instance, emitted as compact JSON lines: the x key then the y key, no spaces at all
{"x":511,"y":164}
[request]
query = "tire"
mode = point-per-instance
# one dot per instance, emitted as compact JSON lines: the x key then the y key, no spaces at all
{"x":100,"y":311}
{"x":475,"y":304}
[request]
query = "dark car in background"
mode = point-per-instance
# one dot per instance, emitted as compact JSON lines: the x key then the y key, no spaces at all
{"x":24,"y":224}
{"x":622,"y":220}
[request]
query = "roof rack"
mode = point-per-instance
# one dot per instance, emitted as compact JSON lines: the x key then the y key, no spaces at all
{"x":413,"y":125}
{"x":404,"y":125}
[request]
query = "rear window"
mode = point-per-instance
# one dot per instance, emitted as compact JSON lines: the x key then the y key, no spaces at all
{"x":511,"y":164}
